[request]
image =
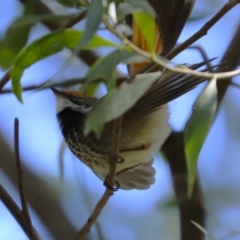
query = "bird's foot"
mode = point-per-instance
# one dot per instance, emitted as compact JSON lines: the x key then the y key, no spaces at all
{"x":113,"y":188}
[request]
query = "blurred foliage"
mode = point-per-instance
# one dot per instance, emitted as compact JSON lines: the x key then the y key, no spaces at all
{"x":198,"y":127}
{"x":16,"y":57}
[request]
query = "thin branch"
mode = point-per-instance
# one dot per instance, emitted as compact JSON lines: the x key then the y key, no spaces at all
{"x":162,"y":63}
{"x":20,"y":181}
{"x":157,"y":63}
{"x":75,"y":20}
{"x":204,"y":56}
{"x":115,"y":150}
{"x":203,"y":31}
{"x":16,"y":212}
{"x":232,"y":57}
{"x":58,"y":224}
{"x":110,"y":180}
{"x":43,"y":86}
{"x":65,"y":83}
{"x":151,"y":67}
{"x":96,"y":212}
{"x":4,"y":80}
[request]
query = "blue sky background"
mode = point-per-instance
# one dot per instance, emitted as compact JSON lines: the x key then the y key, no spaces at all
{"x":132,"y":215}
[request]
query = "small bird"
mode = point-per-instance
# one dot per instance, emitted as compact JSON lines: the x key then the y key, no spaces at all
{"x":145,"y":125}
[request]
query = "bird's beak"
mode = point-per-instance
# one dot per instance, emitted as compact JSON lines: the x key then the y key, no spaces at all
{"x":55,"y":91}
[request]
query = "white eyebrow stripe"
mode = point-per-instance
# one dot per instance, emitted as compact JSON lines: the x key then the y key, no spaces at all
{"x":77,"y":105}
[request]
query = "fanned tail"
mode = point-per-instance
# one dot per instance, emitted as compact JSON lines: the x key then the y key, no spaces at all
{"x":171,"y":18}
{"x":140,"y":177}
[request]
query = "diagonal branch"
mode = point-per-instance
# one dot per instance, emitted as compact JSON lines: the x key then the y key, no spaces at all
{"x":65,"y":83}
{"x":21,"y":216}
{"x":203,"y":31}
{"x":232,"y":58}
{"x":162,"y":63}
{"x":152,"y":67}
{"x":17,"y":213}
{"x":75,"y":20}
{"x":45,"y":205}
{"x":4,"y":80}
{"x":110,"y":181}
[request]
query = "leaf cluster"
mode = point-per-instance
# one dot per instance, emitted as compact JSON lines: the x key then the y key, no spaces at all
{"x":16,"y":56}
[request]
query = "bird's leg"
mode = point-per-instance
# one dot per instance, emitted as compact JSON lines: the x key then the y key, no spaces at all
{"x":142,"y":147}
{"x":113,"y":188}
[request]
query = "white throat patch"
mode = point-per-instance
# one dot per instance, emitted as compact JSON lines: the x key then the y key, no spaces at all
{"x":63,"y":103}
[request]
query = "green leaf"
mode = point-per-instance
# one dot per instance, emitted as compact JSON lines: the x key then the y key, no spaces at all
{"x":197,"y":128}
{"x":133,"y":6}
{"x":94,"y":17}
{"x":13,"y":42}
{"x":16,"y":74}
{"x":54,"y":43}
{"x":30,"y":19}
{"x":147,"y":26}
{"x":119,"y":100}
{"x":91,"y":88}
{"x":144,"y":15}
{"x":143,"y":5}
{"x":49,"y":45}
{"x":203,"y":230}
{"x":105,"y":67}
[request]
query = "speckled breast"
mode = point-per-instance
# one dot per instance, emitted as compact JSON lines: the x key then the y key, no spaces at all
{"x":87,"y":152}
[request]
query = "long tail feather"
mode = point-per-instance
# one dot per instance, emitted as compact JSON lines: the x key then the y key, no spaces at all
{"x":171,"y":18}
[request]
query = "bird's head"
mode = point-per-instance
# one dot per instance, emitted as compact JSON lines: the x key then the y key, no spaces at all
{"x":73,"y":100}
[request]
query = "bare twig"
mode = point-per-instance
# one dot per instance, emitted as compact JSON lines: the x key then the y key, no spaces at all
{"x":115,"y":150}
{"x":162,"y":63}
{"x":65,"y":83}
{"x":152,"y":67}
{"x":56,"y":220}
{"x":4,"y":80}
{"x":21,"y":216}
{"x":96,"y":212}
{"x":111,"y":180}
{"x":232,"y":57}
{"x":20,"y":181}
{"x":203,"y":31}
{"x":16,"y":213}
{"x":204,"y":56}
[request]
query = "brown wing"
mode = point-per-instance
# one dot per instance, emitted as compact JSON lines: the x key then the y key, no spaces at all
{"x":171,"y":18}
{"x":168,"y":88}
